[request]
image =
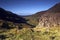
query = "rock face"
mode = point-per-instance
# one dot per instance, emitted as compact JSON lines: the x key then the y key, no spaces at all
{"x":51,"y":17}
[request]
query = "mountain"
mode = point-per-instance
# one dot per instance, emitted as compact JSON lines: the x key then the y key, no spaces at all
{"x":9,"y":20}
{"x":52,"y":13}
{"x":51,"y":18}
{"x":9,"y":16}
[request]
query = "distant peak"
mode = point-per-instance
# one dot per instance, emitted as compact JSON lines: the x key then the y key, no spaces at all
{"x":58,"y":3}
{"x":55,"y":8}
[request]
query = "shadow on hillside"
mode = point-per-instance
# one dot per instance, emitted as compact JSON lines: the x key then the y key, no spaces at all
{"x":5,"y":26}
{"x":3,"y":37}
{"x":32,"y":26}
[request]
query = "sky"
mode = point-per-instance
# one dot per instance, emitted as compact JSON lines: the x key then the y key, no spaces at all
{"x":27,"y":7}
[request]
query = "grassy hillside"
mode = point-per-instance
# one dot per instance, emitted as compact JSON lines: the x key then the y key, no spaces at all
{"x":28,"y":34}
{"x":42,"y":33}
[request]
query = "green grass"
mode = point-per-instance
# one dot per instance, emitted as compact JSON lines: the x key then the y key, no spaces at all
{"x":28,"y":34}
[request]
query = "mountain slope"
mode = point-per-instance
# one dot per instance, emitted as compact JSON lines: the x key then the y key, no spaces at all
{"x":34,"y":19}
{"x":9,"y":16}
{"x":51,"y":18}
